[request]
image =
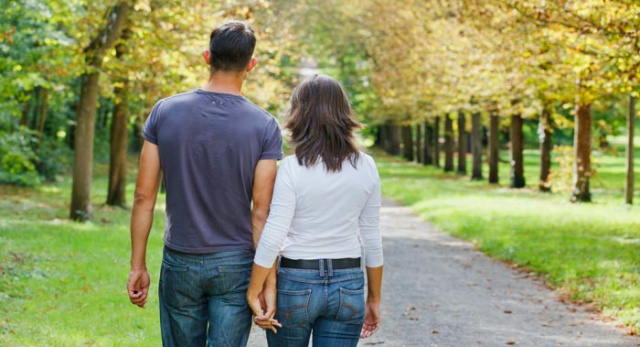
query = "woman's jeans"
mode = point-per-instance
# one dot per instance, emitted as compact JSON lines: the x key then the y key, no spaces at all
{"x":203,"y":298}
{"x":327,"y":302}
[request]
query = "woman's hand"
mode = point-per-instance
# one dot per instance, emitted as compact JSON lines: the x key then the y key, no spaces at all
{"x":263,"y":306}
{"x":372,"y":319}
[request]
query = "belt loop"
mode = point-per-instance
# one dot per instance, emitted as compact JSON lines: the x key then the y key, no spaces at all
{"x":279,"y":260}
{"x":330,"y":266}
{"x":321,"y":267}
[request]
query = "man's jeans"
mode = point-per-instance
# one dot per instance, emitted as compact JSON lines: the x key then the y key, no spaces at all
{"x":327,"y":302}
{"x":203,"y":298}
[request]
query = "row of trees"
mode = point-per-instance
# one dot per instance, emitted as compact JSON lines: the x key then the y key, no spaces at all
{"x":71,"y":68}
{"x":66,"y":62}
{"x":497,"y":62}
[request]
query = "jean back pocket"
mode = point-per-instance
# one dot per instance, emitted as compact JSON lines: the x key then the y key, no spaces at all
{"x":293,"y":307}
{"x":351,"y":306}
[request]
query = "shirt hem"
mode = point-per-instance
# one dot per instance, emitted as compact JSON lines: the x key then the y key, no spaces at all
{"x":209,"y":249}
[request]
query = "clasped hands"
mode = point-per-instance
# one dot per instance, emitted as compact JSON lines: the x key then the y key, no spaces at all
{"x":263,"y":306}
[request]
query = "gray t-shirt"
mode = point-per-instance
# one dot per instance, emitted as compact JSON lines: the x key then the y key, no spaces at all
{"x":209,"y":146}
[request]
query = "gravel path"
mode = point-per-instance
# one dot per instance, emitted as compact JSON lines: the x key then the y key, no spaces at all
{"x":439,"y":291}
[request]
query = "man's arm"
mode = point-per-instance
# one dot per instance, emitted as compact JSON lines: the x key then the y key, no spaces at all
{"x":263,"y":181}
{"x":144,"y":202}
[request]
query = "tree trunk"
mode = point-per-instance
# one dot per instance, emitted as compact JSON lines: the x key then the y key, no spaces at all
{"x":394,"y":140}
{"x":476,"y":146}
{"x":631,"y":118}
{"x":494,"y":147}
{"x":116,"y":195}
{"x":419,"y":143}
{"x":43,"y":116}
{"x":582,"y":154}
{"x":462,"y":143}
{"x":517,"y":158}
{"x":81,"y":209}
{"x":544,"y":134}
{"x":379,"y":137}
{"x":448,"y":144}
{"x":38,"y":97}
{"x":436,"y":142}
{"x":427,"y":151}
{"x":407,"y":143}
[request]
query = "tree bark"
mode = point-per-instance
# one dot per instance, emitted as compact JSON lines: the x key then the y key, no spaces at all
{"x":517,"y":158}
{"x":544,"y":135}
{"x":43,"y":116}
{"x":448,"y":144}
{"x":116,"y":195}
{"x":81,"y":209}
{"x":394,"y":140}
{"x":631,"y":117}
{"x":436,"y":142}
{"x":476,"y":146}
{"x":582,"y":154}
{"x":419,"y":143}
{"x":462,"y":143}
{"x":407,"y":142}
{"x":427,"y":148}
{"x":494,"y":147}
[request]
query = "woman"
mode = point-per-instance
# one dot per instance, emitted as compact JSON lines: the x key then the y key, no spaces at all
{"x":325,"y":208}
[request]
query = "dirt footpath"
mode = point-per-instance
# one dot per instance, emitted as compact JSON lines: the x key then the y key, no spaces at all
{"x":439,"y":291}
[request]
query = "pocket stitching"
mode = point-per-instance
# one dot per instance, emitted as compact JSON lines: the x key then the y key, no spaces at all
{"x":305,"y":306}
{"x":355,"y":313}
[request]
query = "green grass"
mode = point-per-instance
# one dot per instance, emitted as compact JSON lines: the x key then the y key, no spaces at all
{"x":63,"y":283}
{"x":591,"y":252}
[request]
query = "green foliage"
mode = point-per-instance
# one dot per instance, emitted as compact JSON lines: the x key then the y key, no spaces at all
{"x":18,"y":157}
{"x":54,"y":158}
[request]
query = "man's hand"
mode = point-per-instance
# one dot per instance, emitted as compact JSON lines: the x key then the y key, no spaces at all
{"x":263,"y":305}
{"x":138,"y":286}
{"x":372,"y":320}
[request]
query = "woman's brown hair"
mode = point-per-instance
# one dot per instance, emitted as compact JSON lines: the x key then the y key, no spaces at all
{"x":322,"y":124}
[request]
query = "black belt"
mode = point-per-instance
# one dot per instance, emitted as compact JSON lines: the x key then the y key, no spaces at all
{"x":314,"y":264}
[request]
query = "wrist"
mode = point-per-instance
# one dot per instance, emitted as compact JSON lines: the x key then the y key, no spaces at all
{"x":138,"y":267}
{"x":373,"y":300}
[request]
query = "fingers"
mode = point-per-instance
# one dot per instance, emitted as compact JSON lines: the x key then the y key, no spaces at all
{"x":369,"y":329}
{"x":267,"y":323}
{"x":138,"y":298}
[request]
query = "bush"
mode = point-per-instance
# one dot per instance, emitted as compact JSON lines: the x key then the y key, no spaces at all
{"x":18,"y":157}
{"x":54,"y":158}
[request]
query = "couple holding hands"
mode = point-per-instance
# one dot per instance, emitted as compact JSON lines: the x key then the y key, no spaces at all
{"x":243,"y":237}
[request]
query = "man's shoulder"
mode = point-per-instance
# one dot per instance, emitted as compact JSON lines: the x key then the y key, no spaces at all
{"x":258,"y":111}
{"x":186,"y":97}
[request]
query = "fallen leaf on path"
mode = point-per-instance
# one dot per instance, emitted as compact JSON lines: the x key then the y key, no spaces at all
{"x":510,"y":342}
{"x":508,"y":311}
{"x":434,"y":332}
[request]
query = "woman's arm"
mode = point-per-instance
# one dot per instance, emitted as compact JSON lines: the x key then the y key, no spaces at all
{"x":269,"y":244}
{"x":369,"y":226}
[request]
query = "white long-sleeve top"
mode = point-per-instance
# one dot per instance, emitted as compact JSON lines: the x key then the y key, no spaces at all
{"x":316,"y":214}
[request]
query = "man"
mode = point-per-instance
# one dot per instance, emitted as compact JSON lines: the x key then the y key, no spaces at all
{"x":217,"y":152}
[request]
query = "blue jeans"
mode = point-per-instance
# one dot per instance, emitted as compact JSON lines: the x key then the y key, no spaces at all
{"x":203,"y":298}
{"x":328,"y":303}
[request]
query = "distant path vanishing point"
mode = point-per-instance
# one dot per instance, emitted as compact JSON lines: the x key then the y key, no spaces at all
{"x":440,"y":291}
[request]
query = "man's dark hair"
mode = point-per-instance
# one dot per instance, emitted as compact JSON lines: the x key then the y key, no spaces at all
{"x":231,"y":46}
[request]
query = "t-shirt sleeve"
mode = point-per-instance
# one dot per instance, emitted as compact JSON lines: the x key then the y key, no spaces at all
{"x":150,"y":127}
{"x":272,"y":143}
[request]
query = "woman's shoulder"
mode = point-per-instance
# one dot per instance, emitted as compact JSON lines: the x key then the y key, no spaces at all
{"x":367,"y":159}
